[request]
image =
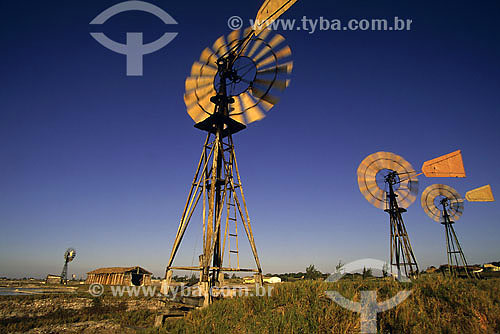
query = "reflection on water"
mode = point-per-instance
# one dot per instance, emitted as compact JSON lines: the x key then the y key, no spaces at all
{"x":21,"y":291}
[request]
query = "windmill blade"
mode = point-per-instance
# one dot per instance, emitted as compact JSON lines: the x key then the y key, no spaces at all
{"x":196,"y":113}
{"x":258,"y":42}
{"x":260,"y":94}
{"x":243,"y":48}
{"x":205,"y":103}
{"x":481,"y":194}
{"x":199,"y":69}
{"x":280,"y":69}
{"x":191,"y":100}
{"x":448,"y":165}
{"x":232,"y":37}
{"x":235,"y":111}
{"x":275,"y":41}
{"x":378,"y":162}
{"x":208,"y":57}
{"x":252,"y":111}
{"x":283,"y":53}
{"x":270,"y":11}
{"x":278,"y":83}
{"x":220,"y":46}
{"x":198,"y":82}
{"x":69,"y":254}
{"x":370,"y":188}
{"x":377,"y":198}
{"x":254,"y":114}
{"x":194,"y":96}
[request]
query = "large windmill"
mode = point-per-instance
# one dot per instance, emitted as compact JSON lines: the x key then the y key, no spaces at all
{"x":390,"y":183}
{"x":232,"y":84}
{"x":444,"y":205}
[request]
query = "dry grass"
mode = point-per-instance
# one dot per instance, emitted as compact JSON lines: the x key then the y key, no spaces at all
{"x":436,"y":305}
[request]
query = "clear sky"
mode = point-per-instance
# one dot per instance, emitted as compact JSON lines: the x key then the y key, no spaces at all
{"x":98,"y":161}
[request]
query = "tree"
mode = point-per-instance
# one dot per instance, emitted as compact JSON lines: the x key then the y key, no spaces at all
{"x":179,"y":278}
{"x":385,"y":270}
{"x":193,"y":279}
{"x":339,"y":266}
{"x":312,"y":272}
{"x":367,"y":273}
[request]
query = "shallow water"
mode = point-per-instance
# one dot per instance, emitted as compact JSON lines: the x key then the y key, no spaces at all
{"x":11,"y":292}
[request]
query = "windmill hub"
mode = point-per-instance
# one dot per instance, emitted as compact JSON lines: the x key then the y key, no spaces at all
{"x":392,"y":178}
{"x":220,"y":100}
{"x":444,"y":202}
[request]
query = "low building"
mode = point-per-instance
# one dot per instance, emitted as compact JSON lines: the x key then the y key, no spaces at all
{"x":249,"y":280}
{"x":127,"y":276}
{"x":431,"y":270}
{"x":491,"y":267}
{"x":272,"y":280}
{"x":53,"y":279}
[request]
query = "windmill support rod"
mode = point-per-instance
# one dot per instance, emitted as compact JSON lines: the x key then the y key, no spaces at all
{"x":402,"y":255}
{"x":453,"y":245}
{"x":187,"y":208}
{"x":190,"y":268}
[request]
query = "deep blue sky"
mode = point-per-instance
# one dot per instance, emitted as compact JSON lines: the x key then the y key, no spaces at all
{"x":99,"y":161}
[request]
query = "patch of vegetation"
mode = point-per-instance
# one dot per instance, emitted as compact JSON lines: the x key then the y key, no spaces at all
{"x":436,"y":305}
{"x":100,"y":309}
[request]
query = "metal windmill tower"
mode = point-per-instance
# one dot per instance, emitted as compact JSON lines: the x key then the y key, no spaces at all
{"x":444,"y":205}
{"x":231,"y":85}
{"x":384,"y":180}
{"x":390,"y":183}
{"x":69,"y":255}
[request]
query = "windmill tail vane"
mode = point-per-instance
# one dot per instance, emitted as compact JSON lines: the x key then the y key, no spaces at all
{"x":448,"y":165}
{"x":481,"y":194}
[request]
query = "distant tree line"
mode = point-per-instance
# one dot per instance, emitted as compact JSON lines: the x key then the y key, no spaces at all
{"x":312,"y":273}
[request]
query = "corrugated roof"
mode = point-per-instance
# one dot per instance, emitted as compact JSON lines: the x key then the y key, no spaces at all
{"x":118,"y":270}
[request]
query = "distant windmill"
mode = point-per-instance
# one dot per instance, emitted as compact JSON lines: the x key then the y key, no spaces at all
{"x":444,"y":205}
{"x":390,"y":183}
{"x":69,"y":255}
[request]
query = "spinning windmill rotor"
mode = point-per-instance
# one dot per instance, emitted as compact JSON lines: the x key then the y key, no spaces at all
{"x":233,"y":83}
{"x":69,"y":255}
{"x":438,"y":199}
{"x":445,"y":205}
{"x":382,"y":170}
{"x":389,"y":182}
{"x":251,"y":78}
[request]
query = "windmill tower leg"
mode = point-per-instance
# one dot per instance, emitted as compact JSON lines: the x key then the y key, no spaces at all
{"x":454,"y":251}
{"x":401,"y":251}
{"x":64,"y":274}
{"x":216,"y":180}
